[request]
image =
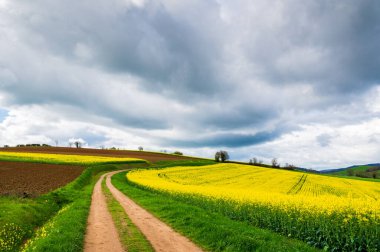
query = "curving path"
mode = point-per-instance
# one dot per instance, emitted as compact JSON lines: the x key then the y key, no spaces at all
{"x":100,"y":225}
{"x":101,"y":233}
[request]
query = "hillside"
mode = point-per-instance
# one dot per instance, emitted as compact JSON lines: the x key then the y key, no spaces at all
{"x":149,"y":156}
{"x":368,"y":171}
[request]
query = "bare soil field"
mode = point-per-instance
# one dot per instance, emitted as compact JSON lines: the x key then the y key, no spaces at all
{"x":149,"y":156}
{"x":32,"y":179}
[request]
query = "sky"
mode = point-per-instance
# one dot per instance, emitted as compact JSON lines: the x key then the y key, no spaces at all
{"x":294,"y":80}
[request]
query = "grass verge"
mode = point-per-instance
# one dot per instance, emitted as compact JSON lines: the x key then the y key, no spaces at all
{"x":211,"y":230}
{"x":130,"y":236}
{"x":55,"y":221}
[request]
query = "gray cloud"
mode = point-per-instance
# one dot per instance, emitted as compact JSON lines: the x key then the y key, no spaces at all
{"x":324,"y":140}
{"x":225,"y":140}
{"x":219,"y":70}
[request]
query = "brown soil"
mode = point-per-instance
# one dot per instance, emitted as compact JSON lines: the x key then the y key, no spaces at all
{"x":101,"y":234}
{"x":32,"y":179}
{"x":152,"y":157}
{"x":161,"y":236}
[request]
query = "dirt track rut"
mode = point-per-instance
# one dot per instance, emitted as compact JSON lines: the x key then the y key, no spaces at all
{"x":102,"y":235}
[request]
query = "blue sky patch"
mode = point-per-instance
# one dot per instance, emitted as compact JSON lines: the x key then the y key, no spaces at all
{"x":3,"y":114}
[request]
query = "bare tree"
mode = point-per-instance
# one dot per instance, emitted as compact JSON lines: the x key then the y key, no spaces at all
{"x":78,"y":144}
{"x":275,"y":163}
{"x":141,"y":148}
{"x":253,"y":161}
{"x":289,"y":166}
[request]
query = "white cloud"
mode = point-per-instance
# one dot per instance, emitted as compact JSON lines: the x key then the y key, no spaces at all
{"x":351,"y":144}
{"x":139,"y":72}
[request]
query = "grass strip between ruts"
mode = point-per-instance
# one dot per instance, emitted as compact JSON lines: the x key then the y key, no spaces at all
{"x":130,"y":236}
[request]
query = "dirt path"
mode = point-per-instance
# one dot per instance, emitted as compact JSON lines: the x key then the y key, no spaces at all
{"x":161,"y":236}
{"x":101,"y":233}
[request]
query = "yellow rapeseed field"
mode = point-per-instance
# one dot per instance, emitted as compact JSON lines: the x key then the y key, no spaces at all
{"x":274,"y":188}
{"x":61,"y":158}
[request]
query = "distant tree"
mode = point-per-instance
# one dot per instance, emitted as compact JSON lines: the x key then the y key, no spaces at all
{"x":375,"y":175}
{"x":221,"y":156}
{"x":141,"y":148}
{"x":217,"y":156}
{"x":289,"y":166}
{"x":178,"y":153}
{"x":77,"y":142}
{"x":253,"y":161}
{"x":275,"y":164}
{"x":373,"y":168}
{"x":56,"y":143}
{"x":350,"y":172}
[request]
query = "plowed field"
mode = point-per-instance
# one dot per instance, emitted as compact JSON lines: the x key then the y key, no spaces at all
{"x":32,"y":179}
{"x":150,"y":156}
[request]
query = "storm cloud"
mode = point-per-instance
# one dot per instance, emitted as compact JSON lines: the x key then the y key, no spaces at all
{"x":197,"y":75}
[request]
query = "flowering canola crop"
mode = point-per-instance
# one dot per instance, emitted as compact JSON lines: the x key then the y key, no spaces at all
{"x":270,"y":186}
{"x":62,"y":158}
{"x":293,"y":203}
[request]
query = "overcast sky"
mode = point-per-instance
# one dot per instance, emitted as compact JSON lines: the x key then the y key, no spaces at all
{"x":296,"y":80}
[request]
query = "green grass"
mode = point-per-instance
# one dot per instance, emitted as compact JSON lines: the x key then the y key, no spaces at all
{"x":130,"y":236}
{"x":340,"y":231}
{"x":211,"y":230}
{"x":355,"y":169}
{"x":52,"y":222}
{"x":353,"y":177}
{"x":18,"y":217}
{"x":345,"y":173}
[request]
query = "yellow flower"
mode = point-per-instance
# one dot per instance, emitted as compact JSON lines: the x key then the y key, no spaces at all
{"x":61,"y":158}
{"x":279,"y":189}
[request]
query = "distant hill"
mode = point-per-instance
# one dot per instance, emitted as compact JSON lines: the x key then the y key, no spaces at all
{"x":363,"y":171}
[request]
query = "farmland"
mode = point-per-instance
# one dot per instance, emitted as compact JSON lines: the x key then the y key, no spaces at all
{"x":149,"y":156}
{"x":364,"y":172}
{"x":46,"y":196}
{"x":327,"y":212}
{"x":63,"y":158}
{"x":32,"y":179}
{"x":55,"y":192}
